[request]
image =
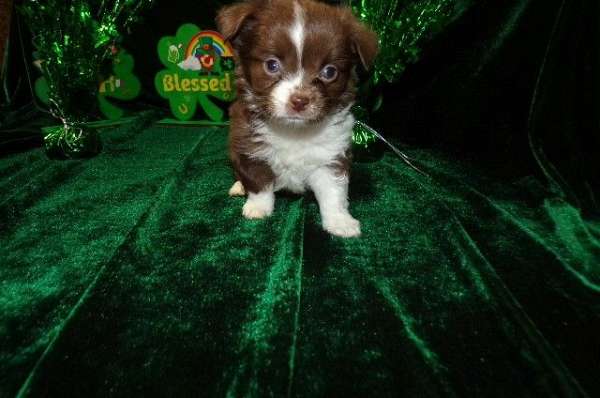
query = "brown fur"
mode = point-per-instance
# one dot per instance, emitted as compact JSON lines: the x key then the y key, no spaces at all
{"x":254,"y":174}
{"x":257,"y":30}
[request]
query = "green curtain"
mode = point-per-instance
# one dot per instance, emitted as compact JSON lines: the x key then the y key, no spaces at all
{"x":513,"y":87}
{"x":133,"y":273}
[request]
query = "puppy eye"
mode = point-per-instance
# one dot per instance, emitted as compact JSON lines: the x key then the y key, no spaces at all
{"x":272,"y":66}
{"x":328,"y":73}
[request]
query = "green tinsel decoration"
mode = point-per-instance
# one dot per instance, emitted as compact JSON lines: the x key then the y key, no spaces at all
{"x":403,"y":27}
{"x":74,"y":38}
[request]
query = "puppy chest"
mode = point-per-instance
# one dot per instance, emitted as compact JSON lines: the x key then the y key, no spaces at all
{"x":293,"y":163}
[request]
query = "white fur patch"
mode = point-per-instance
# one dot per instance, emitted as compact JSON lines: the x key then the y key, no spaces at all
{"x":280,"y":95}
{"x":297,"y":32}
{"x":237,"y":189}
{"x":301,"y":157}
{"x":294,"y":152}
{"x":259,"y":205}
{"x":343,"y":225}
{"x":331,"y":192}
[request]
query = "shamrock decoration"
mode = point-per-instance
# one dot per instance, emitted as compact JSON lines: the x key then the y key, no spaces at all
{"x":199,"y":65}
{"x":122,"y":84}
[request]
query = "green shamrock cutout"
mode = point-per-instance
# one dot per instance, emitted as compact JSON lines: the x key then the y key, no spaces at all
{"x":122,"y":85}
{"x":199,"y":65}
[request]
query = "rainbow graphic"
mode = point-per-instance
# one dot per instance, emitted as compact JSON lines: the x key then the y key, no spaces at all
{"x":221,"y":47}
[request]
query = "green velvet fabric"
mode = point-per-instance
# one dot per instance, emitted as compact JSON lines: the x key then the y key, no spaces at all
{"x":134,"y":274}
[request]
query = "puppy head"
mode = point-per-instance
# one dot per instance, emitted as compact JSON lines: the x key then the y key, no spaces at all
{"x":296,"y":58}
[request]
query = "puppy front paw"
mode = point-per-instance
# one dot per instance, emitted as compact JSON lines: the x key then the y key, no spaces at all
{"x":237,"y":189}
{"x":253,"y":210}
{"x":343,"y":225}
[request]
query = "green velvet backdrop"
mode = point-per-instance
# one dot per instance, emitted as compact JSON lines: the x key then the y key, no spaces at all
{"x":133,"y":273}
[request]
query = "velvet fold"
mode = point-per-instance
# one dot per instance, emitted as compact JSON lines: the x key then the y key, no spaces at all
{"x":133,"y":273}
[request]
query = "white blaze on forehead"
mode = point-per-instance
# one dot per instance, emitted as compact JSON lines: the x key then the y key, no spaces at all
{"x":282,"y":91}
{"x":297,"y":31}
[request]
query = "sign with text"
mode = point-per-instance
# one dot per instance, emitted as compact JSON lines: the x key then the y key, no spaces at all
{"x":199,"y":66}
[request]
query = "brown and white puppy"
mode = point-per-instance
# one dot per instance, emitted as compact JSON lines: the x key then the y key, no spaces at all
{"x":291,"y":125}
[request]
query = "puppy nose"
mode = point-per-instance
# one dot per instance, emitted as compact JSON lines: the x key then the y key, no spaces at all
{"x":299,"y":102}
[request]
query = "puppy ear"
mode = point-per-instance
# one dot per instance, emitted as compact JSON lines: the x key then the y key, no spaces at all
{"x":365,"y":44}
{"x":231,"y":18}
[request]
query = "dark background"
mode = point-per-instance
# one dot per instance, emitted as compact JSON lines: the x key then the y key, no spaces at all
{"x":511,"y":86}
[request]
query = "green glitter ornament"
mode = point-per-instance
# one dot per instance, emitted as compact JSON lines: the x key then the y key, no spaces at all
{"x":71,"y":141}
{"x":403,"y":28}
{"x":364,"y":143}
{"x":122,"y":84}
{"x":74,"y":40}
